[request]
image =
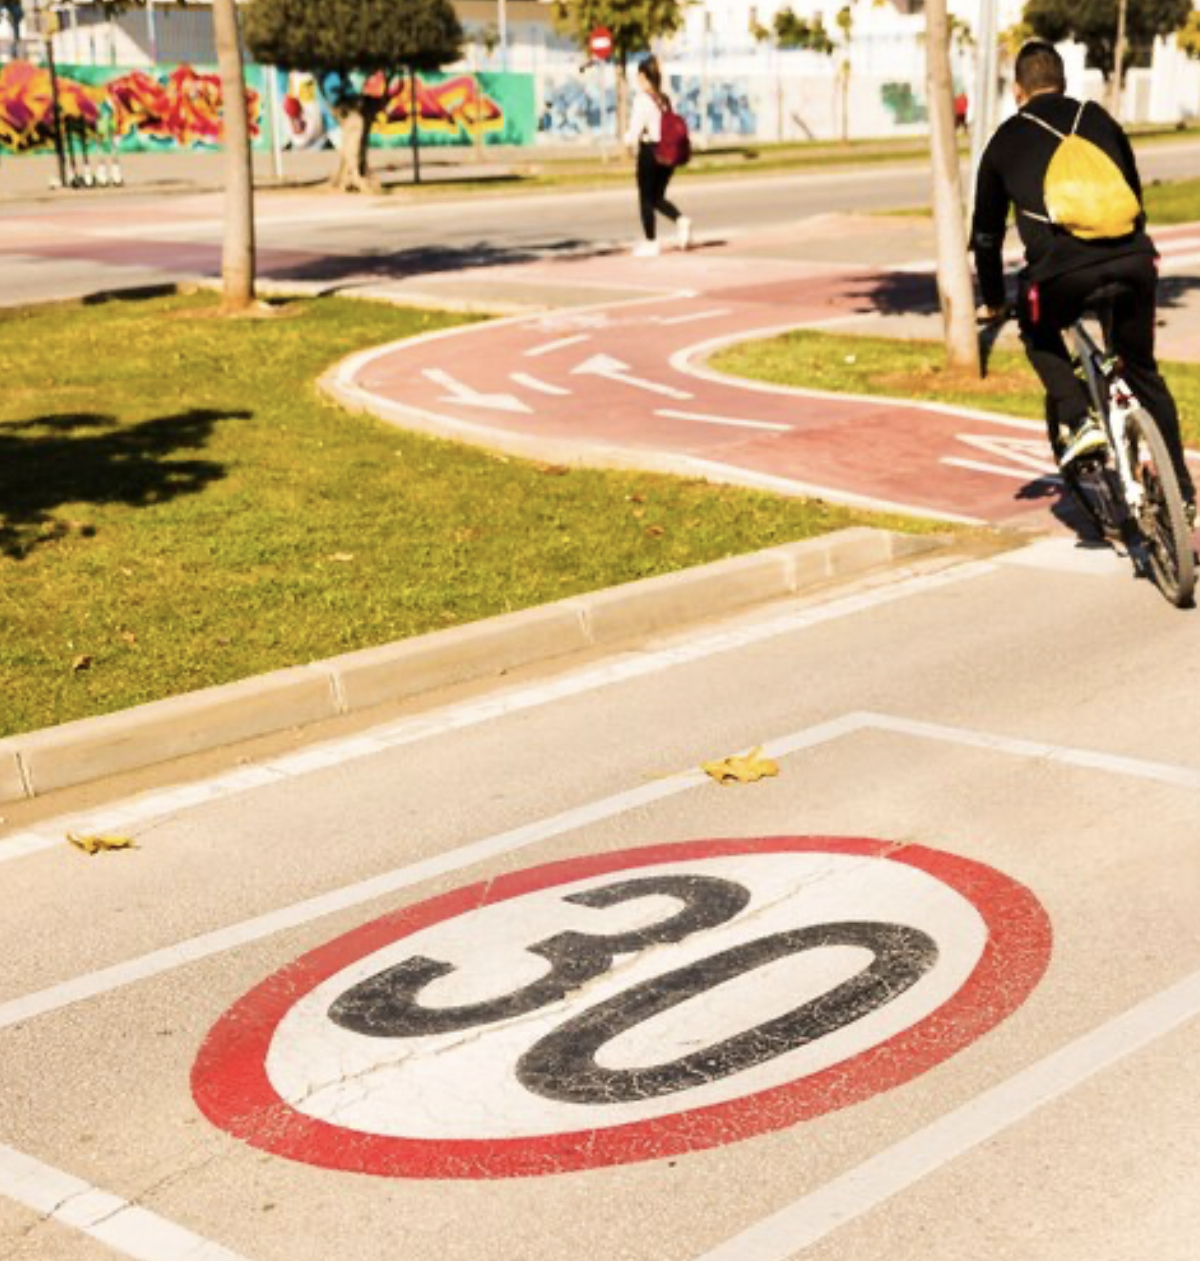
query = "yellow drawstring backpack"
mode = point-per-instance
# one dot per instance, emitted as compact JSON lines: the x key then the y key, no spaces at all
{"x":1085,"y":192}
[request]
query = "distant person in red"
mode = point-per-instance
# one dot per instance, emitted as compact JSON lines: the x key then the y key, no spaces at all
{"x":960,"y":112}
{"x":643,"y":136}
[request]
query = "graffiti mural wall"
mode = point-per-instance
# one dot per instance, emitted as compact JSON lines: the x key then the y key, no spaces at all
{"x":575,"y":106}
{"x":168,"y":107}
{"x":449,"y":109}
{"x":179,"y":108}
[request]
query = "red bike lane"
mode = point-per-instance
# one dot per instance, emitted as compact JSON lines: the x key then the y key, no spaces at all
{"x":626,"y":382}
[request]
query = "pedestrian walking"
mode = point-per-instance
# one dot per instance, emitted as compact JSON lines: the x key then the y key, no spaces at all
{"x":660,"y":139}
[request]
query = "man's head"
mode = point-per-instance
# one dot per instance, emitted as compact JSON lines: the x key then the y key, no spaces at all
{"x":1039,"y":69}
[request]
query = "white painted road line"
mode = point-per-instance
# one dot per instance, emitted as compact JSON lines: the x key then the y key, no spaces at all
{"x":614,"y":370}
{"x":694,"y":316}
{"x":859,"y":1190}
{"x":1000,"y":470}
{"x":465,"y":396}
{"x":705,"y":419}
{"x":158,"y":962}
{"x":561,"y":343}
{"x":1159,"y":772}
{"x":536,"y":383}
{"x":119,"y":1224}
{"x":162,"y":804}
{"x":167,"y":959}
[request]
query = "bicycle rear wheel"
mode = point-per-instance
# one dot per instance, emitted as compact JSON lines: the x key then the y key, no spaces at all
{"x":1162,"y":520}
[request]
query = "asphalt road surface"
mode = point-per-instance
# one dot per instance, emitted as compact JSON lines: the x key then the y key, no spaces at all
{"x":70,"y":248}
{"x":512,"y":979}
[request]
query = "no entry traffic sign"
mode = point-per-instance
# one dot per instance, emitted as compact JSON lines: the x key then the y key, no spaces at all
{"x":623,"y":1006}
{"x":600,"y":43}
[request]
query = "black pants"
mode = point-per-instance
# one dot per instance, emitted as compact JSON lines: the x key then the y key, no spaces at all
{"x":1059,"y":303}
{"x":652,"y":181}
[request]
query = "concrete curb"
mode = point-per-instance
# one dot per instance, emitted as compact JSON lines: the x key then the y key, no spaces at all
{"x":94,"y":748}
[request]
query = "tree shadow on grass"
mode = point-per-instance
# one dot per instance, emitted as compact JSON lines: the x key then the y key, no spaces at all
{"x":84,"y":457}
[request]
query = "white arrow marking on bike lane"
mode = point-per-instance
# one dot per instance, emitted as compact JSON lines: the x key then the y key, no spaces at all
{"x":614,"y":370}
{"x":536,"y":383}
{"x":465,"y":396}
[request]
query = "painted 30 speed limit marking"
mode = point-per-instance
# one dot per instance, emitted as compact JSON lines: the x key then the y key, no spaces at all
{"x":623,"y":1006}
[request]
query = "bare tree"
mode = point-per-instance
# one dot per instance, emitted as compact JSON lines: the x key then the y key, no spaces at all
{"x":237,"y":256}
{"x":955,"y":289}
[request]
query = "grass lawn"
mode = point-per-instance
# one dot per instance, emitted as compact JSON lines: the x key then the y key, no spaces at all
{"x":179,"y":508}
{"x":916,"y":369}
{"x":1174,"y":202}
{"x":1167,"y":202}
{"x":592,"y":170}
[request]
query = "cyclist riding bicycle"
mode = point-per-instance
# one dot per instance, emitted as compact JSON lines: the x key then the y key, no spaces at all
{"x":1069,"y":170}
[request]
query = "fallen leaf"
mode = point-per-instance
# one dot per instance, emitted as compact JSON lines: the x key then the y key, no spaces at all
{"x":343,"y":557}
{"x":82,"y":662}
{"x":127,"y":572}
{"x":638,"y":513}
{"x":741,"y":770}
{"x":655,"y":531}
{"x":635,"y":499}
{"x":129,"y":637}
{"x":553,"y":470}
{"x":92,"y":844}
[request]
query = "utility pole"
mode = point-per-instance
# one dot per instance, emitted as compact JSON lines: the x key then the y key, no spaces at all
{"x":987,"y":84}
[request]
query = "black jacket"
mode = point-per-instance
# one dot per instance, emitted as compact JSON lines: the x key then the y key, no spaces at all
{"x":1013,"y":171}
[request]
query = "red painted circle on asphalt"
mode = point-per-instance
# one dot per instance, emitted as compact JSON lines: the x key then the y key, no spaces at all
{"x":231,"y":1086}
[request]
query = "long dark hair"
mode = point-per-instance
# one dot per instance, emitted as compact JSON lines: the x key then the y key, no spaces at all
{"x":649,"y":67}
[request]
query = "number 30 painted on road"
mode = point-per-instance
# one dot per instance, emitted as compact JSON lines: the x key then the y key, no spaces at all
{"x":623,"y":1006}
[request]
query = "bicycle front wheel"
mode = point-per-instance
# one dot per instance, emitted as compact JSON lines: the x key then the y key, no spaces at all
{"x":1162,"y":520}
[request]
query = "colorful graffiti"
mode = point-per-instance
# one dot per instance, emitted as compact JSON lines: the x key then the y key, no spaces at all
{"x":179,"y":107}
{"x":166,"y":108}
{"x":586,"y":107}
{"x":451,"y":110}
{"x":903,"y":104}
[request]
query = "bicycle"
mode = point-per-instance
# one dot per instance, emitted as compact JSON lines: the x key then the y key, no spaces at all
{"x":1129,"y":491}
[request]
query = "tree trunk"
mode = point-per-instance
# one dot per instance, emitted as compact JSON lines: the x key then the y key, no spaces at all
{"x":355,"y":118}
{"x":1114,"y":107}
{"x":414,"y":135}
{"x":955,"y":290}
{"x":237,"y":256}
{"x":844,"y":76}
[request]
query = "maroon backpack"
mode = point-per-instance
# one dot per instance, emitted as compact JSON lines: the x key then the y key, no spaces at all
{"x":675,"y":146}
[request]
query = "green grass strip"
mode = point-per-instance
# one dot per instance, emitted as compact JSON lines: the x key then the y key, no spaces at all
{"x":917,"y":370}
{"x":179,"y":508}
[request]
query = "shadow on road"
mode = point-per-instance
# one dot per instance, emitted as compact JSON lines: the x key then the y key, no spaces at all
{"x":1173,"y":291}
{"x":83,"y":457}
{"x":344,"y":270}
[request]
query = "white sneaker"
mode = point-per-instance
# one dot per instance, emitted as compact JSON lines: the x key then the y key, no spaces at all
{"x":684,"y":232}
{"x":647,"y":249}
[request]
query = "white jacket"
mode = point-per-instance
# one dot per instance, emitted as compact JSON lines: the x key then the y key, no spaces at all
{"x":645,"y":120}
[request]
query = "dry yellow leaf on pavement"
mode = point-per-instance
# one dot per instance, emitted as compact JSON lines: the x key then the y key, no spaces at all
{"x":741,"y":770}
{"x":95,"y":844}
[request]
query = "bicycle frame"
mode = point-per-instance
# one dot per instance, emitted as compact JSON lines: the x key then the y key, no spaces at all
{"x":1113,"y":400}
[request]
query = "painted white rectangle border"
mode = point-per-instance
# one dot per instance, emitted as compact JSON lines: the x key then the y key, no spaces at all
{"x":130,"y":1229}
